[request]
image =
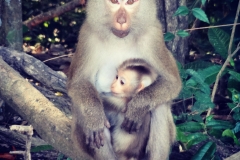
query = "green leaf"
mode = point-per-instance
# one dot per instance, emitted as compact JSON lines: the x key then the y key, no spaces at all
{"x":168,"y":36}
{"x":190,"y":127}
{"x":191,"y":83}
{"x":236,"y":128}
{"x":231,"y":105}
{"x":217,"y":133}
{"x":235,"y":95}
{"x":45,"y":24}
{"x":198,"y":78}
{"x":200,"y":14}
{"x":200,"y":106}
{"x":219,"y":124}
{"x":56,"y":19}
{"x":41,"y":148}
{"x":181,"y":11}
{"x":185,"y":93}
{"x":232,"y":62}
{"x":210,"y":74}
{"x":182,"y":33}
{"x":195,"y":138}
{"x":206,"y":152}
{"x":181,"y":136}
{"x":203,"y":2}
{"x":219,"y":39}
{"x":230,"y":133}
{"x":27,"y":38}
{"x":24,"y":28}
{"x":203,"y":97}
{"x":11,"y":36}
{"x":199,"y":64}
{"x":235,"y":75}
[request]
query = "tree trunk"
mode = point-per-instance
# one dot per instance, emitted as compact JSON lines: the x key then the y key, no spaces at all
{"x":11,"y":24}
{"x":170,"y":23}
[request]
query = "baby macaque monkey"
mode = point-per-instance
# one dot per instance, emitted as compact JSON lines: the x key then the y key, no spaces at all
{"x":132,"y":77}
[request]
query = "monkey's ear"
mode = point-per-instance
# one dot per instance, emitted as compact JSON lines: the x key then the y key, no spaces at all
{"x":140,"y":87}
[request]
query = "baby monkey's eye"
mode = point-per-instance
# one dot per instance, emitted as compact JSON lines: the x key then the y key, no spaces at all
{"x":122,"y":83}
{"x":116,"y":76}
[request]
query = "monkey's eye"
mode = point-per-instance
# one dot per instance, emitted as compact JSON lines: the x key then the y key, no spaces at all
{"x":116,"y":76}
{"x":114,"y":1}
{"x":131,"y":1}
{"x":122,"y":83}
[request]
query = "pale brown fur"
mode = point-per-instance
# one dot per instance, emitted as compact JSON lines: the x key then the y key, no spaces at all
{"x":104,"y":43}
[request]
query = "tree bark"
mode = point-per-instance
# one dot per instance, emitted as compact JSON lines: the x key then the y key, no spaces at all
{"x":53,"y":126}
{"x":11,"y":24}
{"x":170,"y":23}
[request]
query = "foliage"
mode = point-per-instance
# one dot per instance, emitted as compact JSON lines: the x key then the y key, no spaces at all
{"x":198,"y":77}
{"x":63,"y":29}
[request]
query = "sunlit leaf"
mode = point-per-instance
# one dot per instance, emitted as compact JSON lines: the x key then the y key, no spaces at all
{"x":230,"y":133}
{"x":56,"y":19}
{"x":45,"y":24}
{"x":27,"y":38}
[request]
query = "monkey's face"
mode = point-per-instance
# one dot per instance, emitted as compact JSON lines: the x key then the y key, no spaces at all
{"x":125,"y":84}
{"x":122,"y":11}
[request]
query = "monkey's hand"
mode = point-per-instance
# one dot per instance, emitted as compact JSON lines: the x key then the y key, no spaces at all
{"x":94,"y":132}
{"x":134,"y":118}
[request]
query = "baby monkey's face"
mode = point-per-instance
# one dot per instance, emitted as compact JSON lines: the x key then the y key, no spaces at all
{"x":126,"y":83}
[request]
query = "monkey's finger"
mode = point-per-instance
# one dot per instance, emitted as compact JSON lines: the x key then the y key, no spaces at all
{"x":97,"y":139}
{"x":89,"y":139}
{"x":107,"y":123}
{"x":136,"y":127}
{"x":133,"y":127}
{"x":101,"y":135}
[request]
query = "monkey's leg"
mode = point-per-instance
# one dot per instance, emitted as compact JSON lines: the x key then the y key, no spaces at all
{"x":105,"y":152}
{"x":162,"y":133}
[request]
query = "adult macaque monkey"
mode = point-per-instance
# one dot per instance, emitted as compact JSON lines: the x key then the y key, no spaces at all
{"x":114,"y":31}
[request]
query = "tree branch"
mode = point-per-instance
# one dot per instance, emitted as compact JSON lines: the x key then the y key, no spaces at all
{"x":53,"y":13}
{"x":23,"y":62}
{"x":50,"y":122}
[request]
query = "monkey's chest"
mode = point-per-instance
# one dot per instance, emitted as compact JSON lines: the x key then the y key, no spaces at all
{"x":104,"y":78}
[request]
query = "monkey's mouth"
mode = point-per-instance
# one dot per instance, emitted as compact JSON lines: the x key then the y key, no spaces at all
{"x":120,"y":33}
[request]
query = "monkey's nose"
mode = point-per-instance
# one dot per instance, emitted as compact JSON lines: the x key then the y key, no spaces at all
{"x":121,"y":20}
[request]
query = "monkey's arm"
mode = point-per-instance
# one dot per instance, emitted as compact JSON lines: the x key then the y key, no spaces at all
{"x":88,"y":113}
{"x":163,"y":90}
